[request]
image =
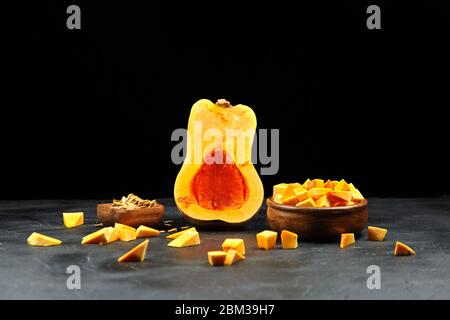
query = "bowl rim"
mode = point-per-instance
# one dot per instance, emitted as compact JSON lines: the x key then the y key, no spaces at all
{"x":317,"y":211}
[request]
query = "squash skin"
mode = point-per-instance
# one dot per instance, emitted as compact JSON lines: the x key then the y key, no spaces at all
{"x":212,"y":115}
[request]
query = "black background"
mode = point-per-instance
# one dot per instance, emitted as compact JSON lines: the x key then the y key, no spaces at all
{"x":89,"y":113}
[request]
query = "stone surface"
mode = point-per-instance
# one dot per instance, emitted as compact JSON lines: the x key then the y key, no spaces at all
{"x":313,"y":271}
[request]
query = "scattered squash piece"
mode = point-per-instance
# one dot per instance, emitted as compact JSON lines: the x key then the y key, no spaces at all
{"x":187,"y":239}
{"x":316,"y":193}
{"x":73,"y":219}
{"x":288,"y":240}
{"x":217,"y":258}
{"x":266,"y":239}
{"x":234,"y":244}
{"x":179,"y":233}
{"x":126,"y":233}
{"x":112,"y":235}
{"x":306,"y":203}
{"x":135,"y":254}
{"x":41,"y":240}
{"x":323,"y":202}
{"x":402,"y":249}
{"x":232,"y":257}
{"x":144,"y":232}
{"x":376,"y":234}
{"x":346,"y":240}
{"x":98,"y":237}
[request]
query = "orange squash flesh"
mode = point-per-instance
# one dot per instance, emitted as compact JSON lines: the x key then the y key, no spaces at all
{"x":402,"y":249}
{"x":219,"y":186}
{"x":346,"y":240}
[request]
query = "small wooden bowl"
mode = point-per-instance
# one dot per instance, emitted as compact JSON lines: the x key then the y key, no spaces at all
{"x":150,"y":217}
{"x":317,"y":224}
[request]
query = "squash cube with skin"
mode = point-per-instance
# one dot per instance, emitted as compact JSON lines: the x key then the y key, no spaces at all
{"x":179,"y":233}
{"x":187,"y":239}
{"x":323,"y":202}
{"x":144,"y":232}
{"x":308,"y":203}
{"x":98,"y":237}
{"x":402,"y":249}
{"x":137,"y":254}
{"x":234,"y":244}
{"x":41,"y":240}
{"x":73,"y":219}
{"x":217,"y":258}
{"x":266,"y":239}
{"x":346,"y":240}
{"x":288,"y":240}
{"x":376,"y":234}
{"x":232,"y":257}
{"x":316,"y":193}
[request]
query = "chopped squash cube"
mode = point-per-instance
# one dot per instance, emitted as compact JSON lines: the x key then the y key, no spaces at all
{"x":316,"y":193}
{"x":339,"y":196}
{"x":351,"y":186}
{"x":112,"y":235}
{"x":328,"y":184}
{"x":232,"y":257}
{"x":402,"y":249}
{"x":135,"y":254}
{"x":342,"y":186}
{"x":179,"y":233}
{"x":318,"y":183}
{"x":266,"y":239}
{"x":356,"y":195}
{"x":342,"y":203}
{"x":234,"y":244}
{"x":308,"y":184}
{"x":376,"y":234}
{"x":290,"y":189}
{"x":307,"y":203}
{"x":126,"y":233}
{"x":288,"y":240}
{"x":279,"y":189}
{"x":323,"y":202}
{"x":289,"y":200}
{"x":301,"y":193}
{"x":144,"y":231}
{"x":217,"y":258}
{"x":187,"y":239}
{"x":347,"y":239}
{"x":41,"y":240}
{"x":73,"y":219}
{"x":98,"y":237}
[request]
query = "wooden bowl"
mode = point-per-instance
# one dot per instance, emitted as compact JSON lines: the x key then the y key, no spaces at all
{"x":317,"y":224}
{"x":150,"y":217}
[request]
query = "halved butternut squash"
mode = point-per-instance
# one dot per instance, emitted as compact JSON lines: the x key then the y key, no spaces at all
{"x":218,"y":184}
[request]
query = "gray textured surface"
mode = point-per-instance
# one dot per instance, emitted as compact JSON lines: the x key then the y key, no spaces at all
{"x":313,"y":271}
